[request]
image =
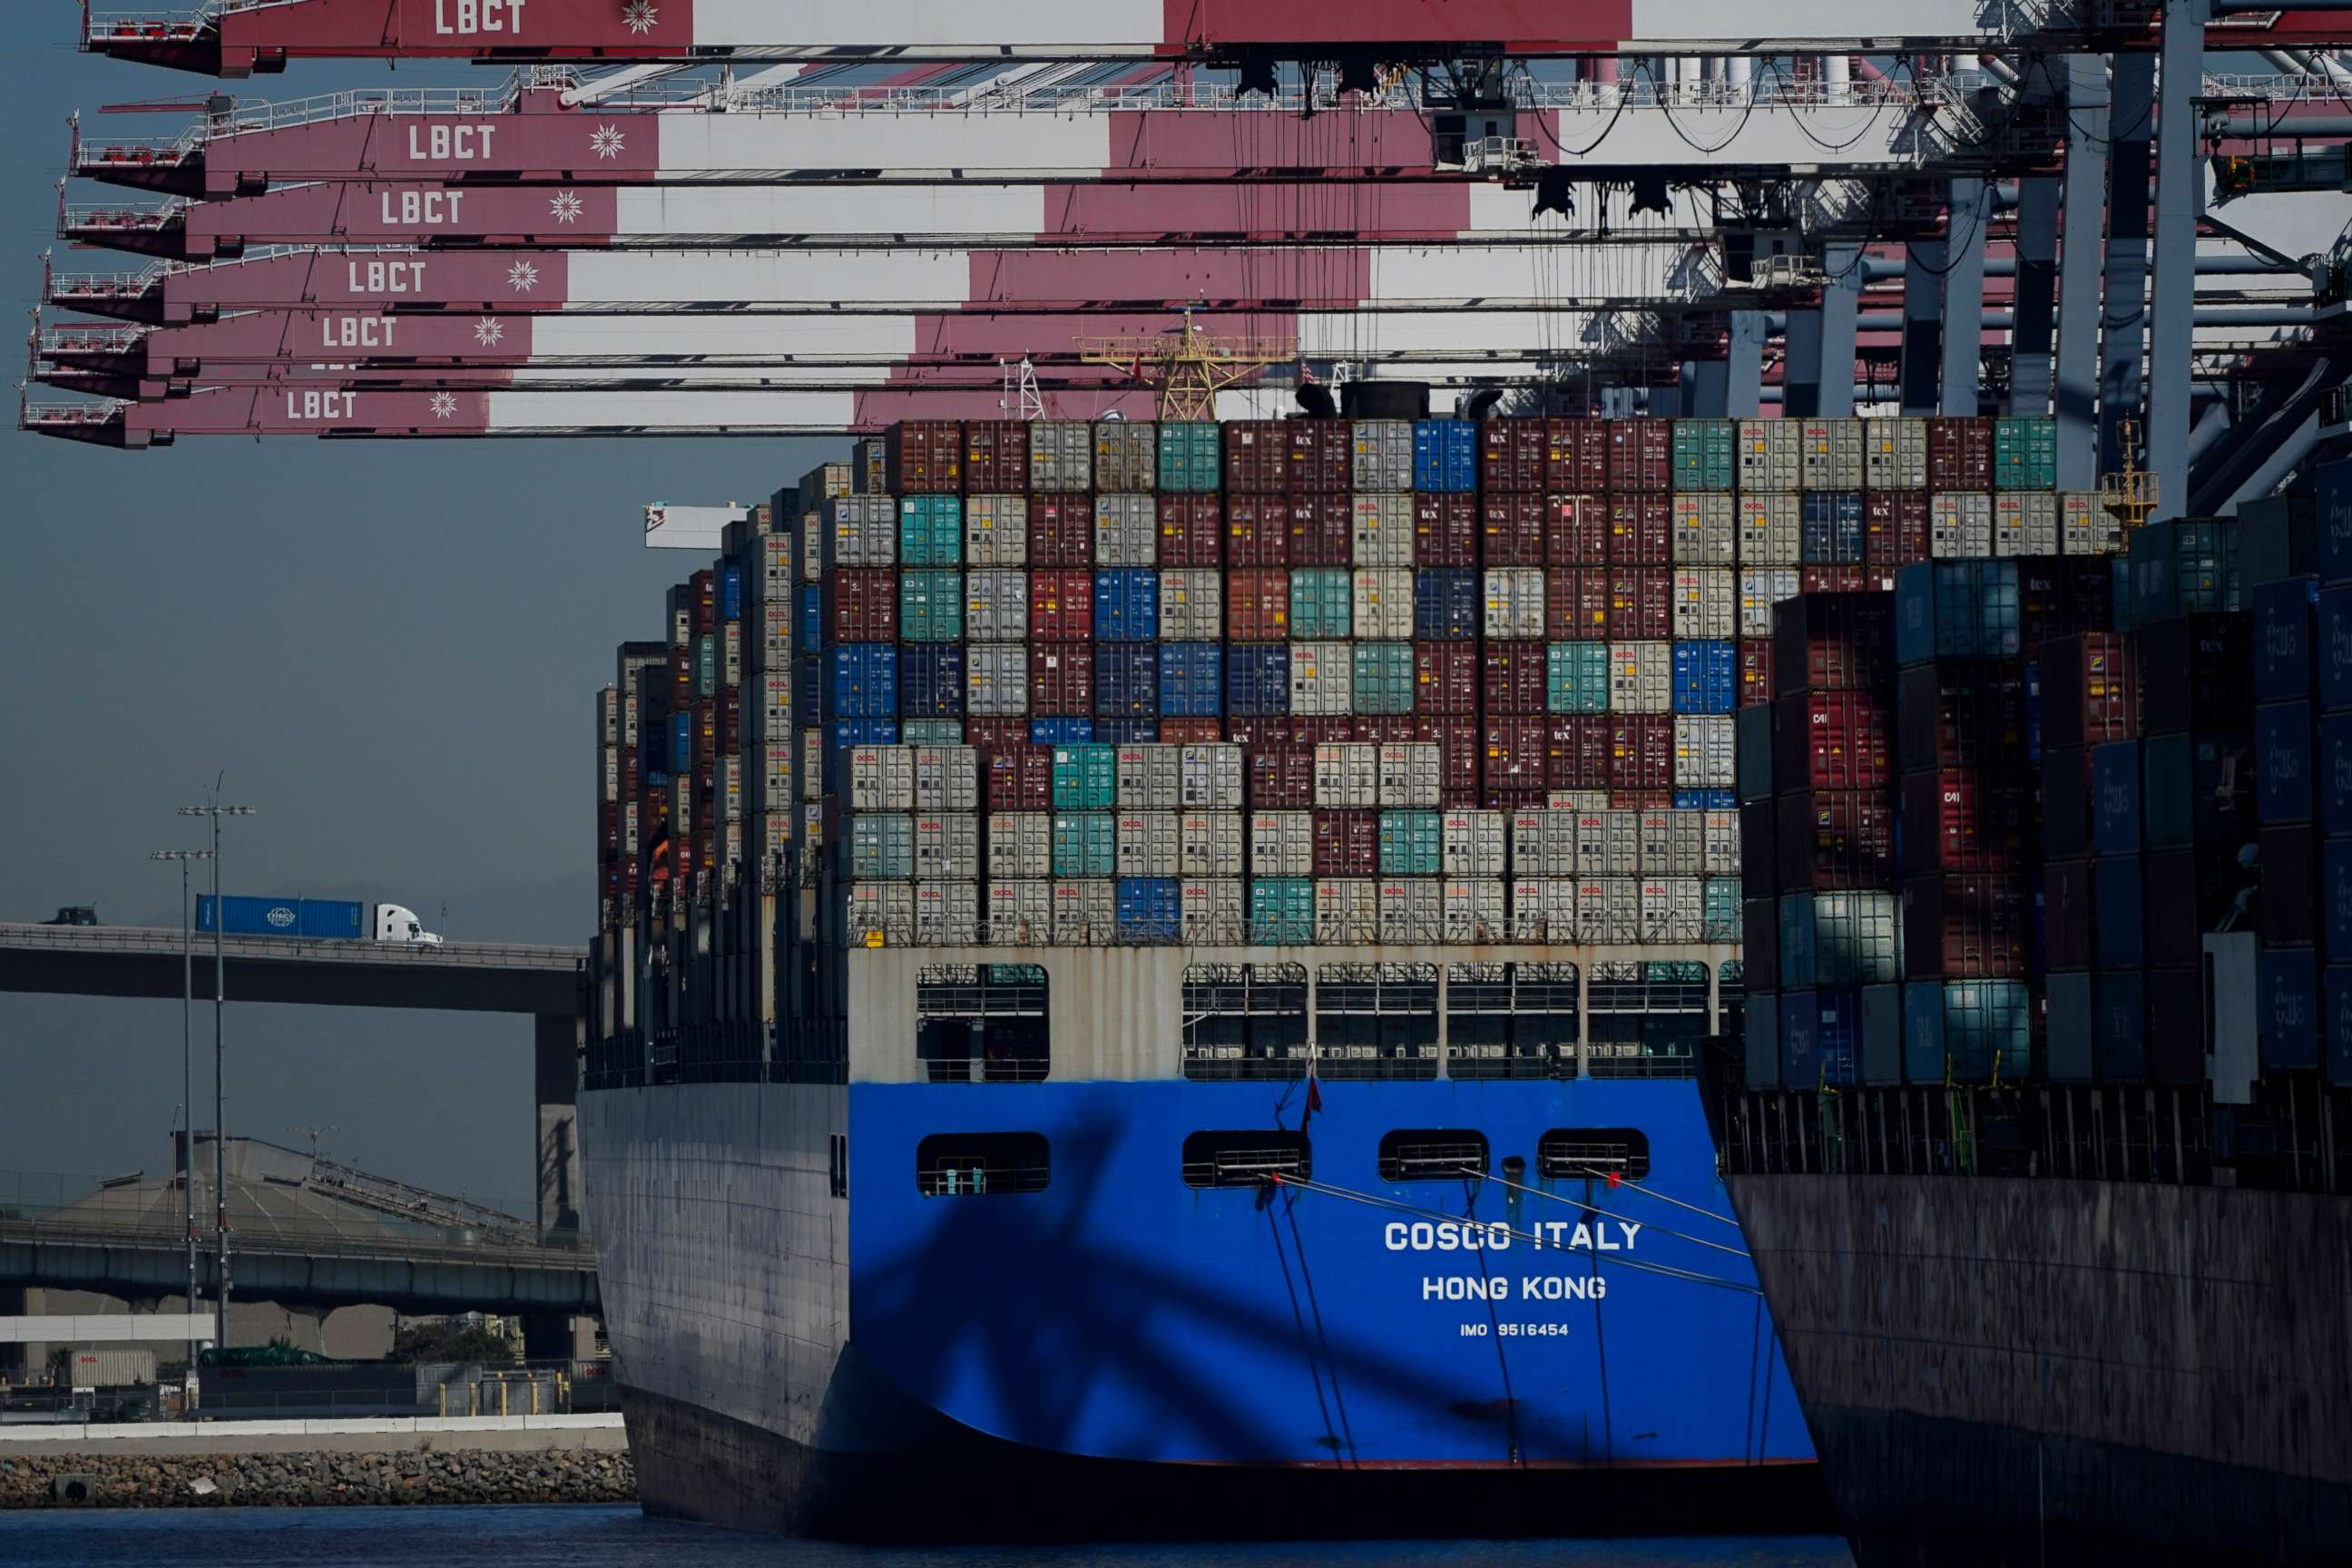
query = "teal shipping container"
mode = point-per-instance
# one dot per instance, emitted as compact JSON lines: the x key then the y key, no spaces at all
{"x":1282,"y":911}
{"x":1720,"y":910}
{"x":1968,"y":1031}
{"x":930,"y":605}
{"x":2168,"y":791}
{"x":1385,"y":677}
{"x":1413,"y":843}
{"x":881,"y":846}
{"x":706,"y":665}
{"x":1085,"y":778}
{"x":1576,"y":678}
{"x":1085,"y":843}
{"x":931,"y":530}
{"x":2025,"y":454}
{"x":931,"y":733}
{"x":1703,"y":454}
{"x":1321,"y":601}
{"x":1192,"y":455}
{"x":2185,"y":567}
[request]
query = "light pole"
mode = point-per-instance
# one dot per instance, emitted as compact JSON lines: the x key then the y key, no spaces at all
{"x":214,"y":809}
{"x":188,"y":1081}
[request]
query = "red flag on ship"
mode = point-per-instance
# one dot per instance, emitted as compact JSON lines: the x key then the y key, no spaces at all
{"x":1616,"y":1178}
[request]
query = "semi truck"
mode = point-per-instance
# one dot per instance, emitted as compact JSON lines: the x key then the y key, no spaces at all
{"x":315,"y":919}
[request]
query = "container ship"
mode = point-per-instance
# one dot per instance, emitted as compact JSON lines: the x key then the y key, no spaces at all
{"x":2038,"y":1126}
{"x":1157,"y":969}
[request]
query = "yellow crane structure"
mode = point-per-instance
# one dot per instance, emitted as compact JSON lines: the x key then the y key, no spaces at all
{"x":1189,"y":366}
{"x":2128,"y":497}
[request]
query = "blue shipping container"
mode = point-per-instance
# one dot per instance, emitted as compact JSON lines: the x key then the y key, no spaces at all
{"x":1821,"y":1038}
{"x":810,"y":627}
{"x":1830,"y":529}
{"x":2119,"y":900}
{"x":2116,"y":806}
{"x":325,"y":920}
{"x":931,"y":681}
{"x":1127,"y":679}
{"x":1257,"y":680}
{"x":2287,"y":983}
{"x":1707,"y":676}
{"x":2336,"y":898}
{"x":2332,"y":774}
{"x":1445,"y":605}
{"x":2122,"y":1021}
{"x":1150,"y":909}
{"x":1957,"y":609}
{"x":808,"y":691}
{"x":731,"y":597}
{"x":1192,"y":679}
{"x":1126,"y":731}
{"x":1706,"y":800}
{"x":1126,"y":604}
{"x":2332,"y":649}
{"x":681,"y":743}
{"x":2333,"y":499}
{"x":2285,"y":614}
{"x":861,"y":732}
{"x":1444,"y":457}
{"x":1061,"y":732}
{"x":2282,"y":763}
{"x":2335,"y":998}
{"x":863,"y":681}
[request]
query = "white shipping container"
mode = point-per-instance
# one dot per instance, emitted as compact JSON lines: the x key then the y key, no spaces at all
{"x":1576,"y":799}
{"x":1474,"y":909}
{"x":1214,"y":913}
{"x":1383,"y":604}
{"x":861,"y":531}
{"x":996,"y":531}
{"x":947,"y":778}
{"x":812,"y":838}
{"x":996,"y":605}
{"x":947,"y":847}
{"x":1770,"y":458}
{"x":1760,"y":588}
{"x":1213,"y":777}
{"x":1061,"y":455}
{"x":1412,"y":910}
{"x":1673,"y":909}
{"x":730,"y":654}
{"x":812,"y":765}
{"x":730,"y":789}
{"x":1641,"y":678}
{"x":1346,"y":911}
{"x":1150,"y":777}
{"x":1702,"y":753}
{"x":1543,"y":844}
{"x":1383,"y":529}
{"x":1609,"y":911}
{"x":1706,"y":530}
{"x":996,"y":679}
{"x":812,"y":550}
{"x":947,"y":914}
{"x":1191,"y":603}
{"x":1474,"y":844}
{"x":1150,"y":844}
{"x":1543,"y":909}
{"x":1607,"y":844}
{"x":1322,"y":679}
{"x":1722,"y":850}
{"x":1282,"y":843}
{"x":1960,"y":525}
{"x":1086,"y":911}
{"x":2085,"y":527}
{"x":1210,"y":844}
{"x":1383,"y":455}
{"x":1895,"y":453}
{"x":881,"y":914}
{"x":1020,"y":845}
{"x":2025,"y":523}
{"x":882,"y":778}
{"x":1515,"y":602}
{"x":1770,"y":530}
{"x":1706,"y":602}
{"x":1831,"y":457}
{"x":1673,"y":843}
{"x":1021,"y":913}
{"x":1126,"y":531}
{"x":628,"y":828}
{"x":1347,"y":775}
{"x":1412,"y":774}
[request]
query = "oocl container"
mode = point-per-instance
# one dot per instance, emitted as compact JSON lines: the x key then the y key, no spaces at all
{"x":1705,"y":531}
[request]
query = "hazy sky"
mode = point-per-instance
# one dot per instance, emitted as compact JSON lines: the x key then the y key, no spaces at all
{"x":390,"y":647}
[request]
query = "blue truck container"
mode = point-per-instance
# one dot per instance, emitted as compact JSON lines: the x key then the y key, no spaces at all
{"x":730,"y":592}
{"x":1257,"y":680}
{"x":1061,"y":732}
{"x":1192,"y":679}
{"x":1126,"y":604}
{"x":2286,"y":982}
{"x":2116,"y":802}
{"x":681,"y":743}
{"x":2282,"y":759}
{"x":1126,"y":731}
{"x":1127,"y":679}
{"x":1707,"y":676}
{"x":931,"y":680}
{"x":1444,"y":457}
{"x":862,"y":681}
{"x":1446,"y":606}
{"x":1829,"y":530}
{"x":2285,"y":613}
{"x":325,"y":920}
{"x":1957,"y":609}
{"x":808,"y":624}
{"x":1148,"y":909}
{"x":861,"y":732}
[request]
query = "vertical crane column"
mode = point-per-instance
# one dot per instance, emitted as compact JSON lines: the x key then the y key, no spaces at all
{"x":1970,"y":206}
{"x":2037,"y":282}
{"x":1744,"y":370}
{"x":1842,"y":262}
{"x":2080,"y":264}
{"x":2124,"y":337}
{"x":1923,"y":300}
{"x":2179,"y":184}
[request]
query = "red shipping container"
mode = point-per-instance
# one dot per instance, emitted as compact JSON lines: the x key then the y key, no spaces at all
{"x":1959,"y":714}
{"x":1576,"y":455}
{"x":1062,"y":605}
{"x":1281,"y":778}
{"x":1641,"y":530}
{"x":1322,"y":531}
{"x":1576,"y":529}
{"x":1192,"y":531}
{"x":995,"y":734}
{"x":2090,"y":690}
{"x":1964,"y":928}
{"x":924,"y":457}
{"x":1830,"y":740}
{"x":1642,"y":753}
{"x":1575,"y":604}
{"x":1641,"y":800}
{"x":1641,"y":455}
{"x":1258,"y":603}
{"x":995,"y":457}
{"x":1641,"y":603}
{"x":1512,"y":529}
{"x":1459,"y":740}
{"x":1383,"y":728}
{"x":1257,"y":455}
{"x":1843,"y":642}
{"x":1322,"y":458}
{"x":1021,"y":778}
{"x":1444,"y":531}
{"x":1755,"y":670}
{"x":1249,"y":732}
{"x":1446,"y":678}
{"x":861,"y":604}
{"x":1321,"y":729}
{"x":706,"y":742}
{"x":1959,"y":453}
{"x":1346,"y":843}
{"x":1962,"y":819}
{"x":1257,"y":530}
{"x":1577,"y":753}
{"x":1516,"y":755}
{"x":1191,"y":732}
{"x":1061,"y":531}
{"x":1838,"y":580}
{"x":1062,"y":680}
{"x":1511,"y":676}
{"x":1895,"y":528}
{"x":1834,"y":839}
{"x":1511,"y":456}
{"x":1506,"y":797}
{"x":701,"y":589}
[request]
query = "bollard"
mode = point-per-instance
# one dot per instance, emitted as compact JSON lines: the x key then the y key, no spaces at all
{"x":502,"y":1396}
{"x":444,"y":1402}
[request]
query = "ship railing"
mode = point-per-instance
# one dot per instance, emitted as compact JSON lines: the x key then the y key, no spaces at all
{"x":1276,"y":931}
{"x":153,"y":26}
{"x":119,"y":218}
{"x":104,"y":411}
{"x":93,"y":338}
{"x":986,"y":1070}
